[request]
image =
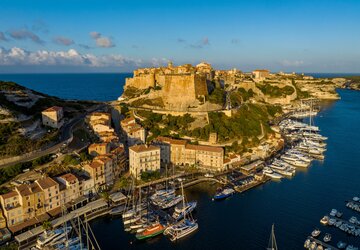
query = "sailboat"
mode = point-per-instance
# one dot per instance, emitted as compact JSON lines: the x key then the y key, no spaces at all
{"x":184,"y":227}
{"x":272,"y":241}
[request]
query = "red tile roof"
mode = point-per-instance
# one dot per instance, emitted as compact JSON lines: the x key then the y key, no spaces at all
{"x":9,"y":195}
{"x":53,"y":109}
{"x":46,"y":182}
{"x":68,"y":177}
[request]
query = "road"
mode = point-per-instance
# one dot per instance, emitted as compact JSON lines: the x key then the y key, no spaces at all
{"x":66,"y":133}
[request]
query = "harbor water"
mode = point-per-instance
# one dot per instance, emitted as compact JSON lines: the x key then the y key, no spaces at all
{"x":294,"y":205}
{"x":244,"y":221}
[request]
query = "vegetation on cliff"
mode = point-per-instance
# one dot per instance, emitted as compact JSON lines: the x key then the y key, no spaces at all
{"x":13,"y":98}
{"x":240,"y":96}
{"x":165,"y":125}
{"x":217,"y":96}
{"x":275,"y":91}
{"x":250,"y":121}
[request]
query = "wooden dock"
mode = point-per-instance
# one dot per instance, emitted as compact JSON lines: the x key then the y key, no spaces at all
{"x":243,"y":188}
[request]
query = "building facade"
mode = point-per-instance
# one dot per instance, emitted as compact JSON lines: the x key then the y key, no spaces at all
{"x":53,"y":117}
{"x":143,"y":158}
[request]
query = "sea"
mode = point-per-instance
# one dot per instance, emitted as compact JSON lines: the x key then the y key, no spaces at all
{"x":295,"y":206}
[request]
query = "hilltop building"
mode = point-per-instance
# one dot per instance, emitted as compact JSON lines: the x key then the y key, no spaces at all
{"x":261,"y":74}
{"x":53,"y":117}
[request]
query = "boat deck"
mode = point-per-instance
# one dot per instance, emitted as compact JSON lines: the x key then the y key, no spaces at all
{"x":343,"y":221}
{"x":325,"y":245}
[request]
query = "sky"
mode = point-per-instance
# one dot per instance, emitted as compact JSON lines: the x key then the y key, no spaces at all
{"x":120,"y":36}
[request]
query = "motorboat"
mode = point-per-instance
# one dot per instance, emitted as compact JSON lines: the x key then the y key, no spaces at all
{"x":324,"y":220}
{"x":151,"y":231}
{"x":223,"y":194}
{"x":181,"y":229}
{"x":341,"y":245}
{"x":315,"y":233}
{"x":327,"y":238}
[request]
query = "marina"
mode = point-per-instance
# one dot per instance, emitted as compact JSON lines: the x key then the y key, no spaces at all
{"x":299,"y":194}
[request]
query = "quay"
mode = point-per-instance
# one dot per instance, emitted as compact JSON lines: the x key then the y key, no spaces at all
{"x":322,"y":243}
{"x":243,"y":188}
{"x":88,"y":211}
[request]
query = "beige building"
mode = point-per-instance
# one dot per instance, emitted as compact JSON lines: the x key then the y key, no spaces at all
{"x":143,"y":158}
{"x":28,"y":204}
{"x":12,"y":209}
{"x":51,"y":193}
{"x":180,"y":152}
{"x":100,"y":123}
{"x":108,"y":164}
{"x":135,"y":133}
{"x":69,"y":188}
{"x":96,"y":171}
{"x":261,"y":74}
{"x":53,"y":117}
{"x":96,"y":149}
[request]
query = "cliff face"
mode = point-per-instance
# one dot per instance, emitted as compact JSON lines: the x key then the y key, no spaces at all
{"x":179,"y":87}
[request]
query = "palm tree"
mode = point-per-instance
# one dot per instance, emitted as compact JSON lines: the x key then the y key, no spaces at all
{"x":47,"y":225}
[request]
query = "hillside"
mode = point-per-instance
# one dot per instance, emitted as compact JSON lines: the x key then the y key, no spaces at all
{"x":21,"y":130}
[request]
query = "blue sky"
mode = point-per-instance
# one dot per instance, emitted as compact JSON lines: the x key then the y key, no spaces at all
{"x":119,"y":36}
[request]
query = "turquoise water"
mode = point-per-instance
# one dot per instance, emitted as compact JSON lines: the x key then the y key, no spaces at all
{"x":295,"y":205}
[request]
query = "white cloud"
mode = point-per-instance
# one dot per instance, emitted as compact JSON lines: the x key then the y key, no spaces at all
{"x":19,"y":56}
{"x":101,"y":41}
{"x":295,"y":63}
{"x":158,"y":62}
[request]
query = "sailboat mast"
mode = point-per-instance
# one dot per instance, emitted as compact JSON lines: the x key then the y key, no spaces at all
{"x":183,"y":199}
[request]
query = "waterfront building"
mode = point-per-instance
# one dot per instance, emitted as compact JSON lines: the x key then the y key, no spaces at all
{"x":51,"y":193}
{"x":69,"y":187}
{"x":53,"y":117}
{"x":143,"y":158}
{"x":11,"y":207}
{"x":180,"y":152}
{"x":27,"y":204}
{"x":96,"y":171}
{"x":96,"y":149}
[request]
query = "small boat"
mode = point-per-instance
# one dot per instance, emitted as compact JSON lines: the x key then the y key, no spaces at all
{"x":341,"y":245}
{"x":339,"y":214}
{"x":315,"y":233}
{"x":332,"y":221}
{"x":333,"y":212}
{"x":181,"y":229}
{"x":356,"y":199}
{"x":116,"y":210}
{"x":313,"y":245}
{"x":227,"y":192}
{"x":351,"y":247}
{"x":320,"y":247}
{"x":327,"y":237}
{"x":151,"y":231}
{"x":180,"y":210}
{"x":324,"y":220}
{"x":307,"y":244}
